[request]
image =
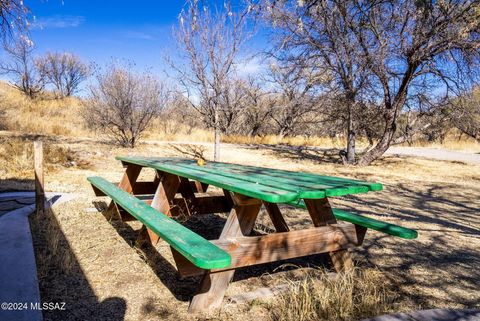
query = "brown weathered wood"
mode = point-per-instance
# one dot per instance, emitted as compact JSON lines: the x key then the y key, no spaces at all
{"x":188,"y":201}
{"x":203,"y":205}
{"x":39,"y":183}
{"x":139,"y":188}
{"x":276,"y":217}
{"x":199,"y":187}
{"x":247,"y":251}
{"x":212,"y":288}
{"x":241,"y":200}
{"x":321,"y":213}
{"x":127,"y":183}
{"x":165,"y":193}
{"x":162,"y":200}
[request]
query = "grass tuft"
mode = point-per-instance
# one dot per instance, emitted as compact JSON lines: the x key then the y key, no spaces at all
{"x":351,"y":295}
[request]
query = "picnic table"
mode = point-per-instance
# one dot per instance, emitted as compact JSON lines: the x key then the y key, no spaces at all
{"x":179,"y":186}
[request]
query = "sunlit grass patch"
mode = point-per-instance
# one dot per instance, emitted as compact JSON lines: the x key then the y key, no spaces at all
{"x":350,"y":295}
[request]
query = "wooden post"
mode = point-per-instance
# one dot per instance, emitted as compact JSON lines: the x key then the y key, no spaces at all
{"x":38,"y":166}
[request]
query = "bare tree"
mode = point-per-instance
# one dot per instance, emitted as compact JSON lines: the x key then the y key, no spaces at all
{"x":258,"y":108}
{"x":210,"y":40}
{"x":21,"y":67}
{"x":383,"y":52}
{"x":123,"y":103}
{"x":464,"y":114}
{"x":293,"y":95}
{"x":64,"y":70}
{"x":13,"y":19}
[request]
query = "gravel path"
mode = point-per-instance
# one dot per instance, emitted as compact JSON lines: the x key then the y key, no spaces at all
{"x":436,"y":153}
{"x":426,"y":152}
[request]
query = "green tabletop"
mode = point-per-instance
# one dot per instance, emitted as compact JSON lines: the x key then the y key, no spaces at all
{"x":271,"y":185}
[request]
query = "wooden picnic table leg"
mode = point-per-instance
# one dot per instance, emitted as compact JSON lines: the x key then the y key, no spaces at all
{"x":188,"y":195}
{"x":166,"y":190}
{"x":321,"y":213}
{"x":240,"y":222}
{"x":127,"y":183}
{"x":276,"y":217}
{"x":201,"y":187}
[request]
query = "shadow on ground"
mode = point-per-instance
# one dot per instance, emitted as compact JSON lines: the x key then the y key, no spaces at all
{"x":61,"y":278}
{"x":427,"y":270}
{"x":15,"y":185}
{"x":439,"y":220}
{"x":301,"y":153}
{"x":210,"y":227}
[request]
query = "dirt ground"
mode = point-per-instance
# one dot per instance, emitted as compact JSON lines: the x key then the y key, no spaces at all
{"x":97,"y":269}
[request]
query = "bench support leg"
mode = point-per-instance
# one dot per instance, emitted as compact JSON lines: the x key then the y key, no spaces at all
{"x":213,"y":286}
{"x":127,"y":183}
{"x":321,"y":213}
{"x":276,"y":217}
{"x":166,"y":190}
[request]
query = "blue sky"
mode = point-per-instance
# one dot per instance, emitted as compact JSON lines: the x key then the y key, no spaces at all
{"x":97,"y":31}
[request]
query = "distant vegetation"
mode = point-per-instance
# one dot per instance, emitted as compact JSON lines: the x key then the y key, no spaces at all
{"x":388,"y":73}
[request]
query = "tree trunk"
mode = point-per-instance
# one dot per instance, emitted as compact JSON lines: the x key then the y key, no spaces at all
{"x":216,"y":147}
{"x":384,"y":143}
{"x":350,"y":138}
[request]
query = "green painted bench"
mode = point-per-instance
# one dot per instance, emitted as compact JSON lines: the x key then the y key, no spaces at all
{"x":367,"y":222}
{"x":192,"y":246}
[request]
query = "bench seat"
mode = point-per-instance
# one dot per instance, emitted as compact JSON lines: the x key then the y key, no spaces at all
{"x":192,"y":246}
{"x":367,"y":222}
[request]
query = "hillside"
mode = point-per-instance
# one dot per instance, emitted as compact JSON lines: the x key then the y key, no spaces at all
{"x":42,"y":116}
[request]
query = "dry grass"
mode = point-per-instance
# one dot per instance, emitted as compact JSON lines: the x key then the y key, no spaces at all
{"x":41,"y":116}
{"x":52,"y":252}
{"x":439,"y":199}
{"x":293,"y":140}
{"x":63,"y":117}
{"x":452,"y":141}
{"x":16,"y":161}
{"x":351,"y":295}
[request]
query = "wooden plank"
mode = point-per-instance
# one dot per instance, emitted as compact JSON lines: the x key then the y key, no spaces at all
{"x":367,"y":222}
{"x":267,"y":193}
{"x":276,"y":217}
{"x":212,"y":288}
{"x":142,"y":188}
{"x":206,"y":205}
{"x":127,"y":182}
{"x":307,"y":185}
{"x":39,"y":179}
{"x":139,"y":188}
{"x":192,"y":246}
{"x":252,"y":250}
{"x":321,"y":213}
{"x":162,"y":199}
{"x":188,"y":199}
{"x":200,"y":187}
{"x":165,"y":193}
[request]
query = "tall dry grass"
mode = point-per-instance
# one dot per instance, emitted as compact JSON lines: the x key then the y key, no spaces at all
{"x":351,"y":295}
{"x":453,"y":141}
{"x":63,"y":117}
{"x":41,"y":116}
{"x":16,"y":161}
